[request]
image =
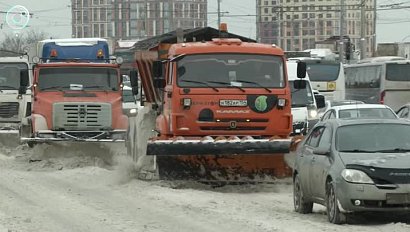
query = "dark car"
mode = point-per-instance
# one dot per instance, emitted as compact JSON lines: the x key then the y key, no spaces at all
{"x":353,"y":166}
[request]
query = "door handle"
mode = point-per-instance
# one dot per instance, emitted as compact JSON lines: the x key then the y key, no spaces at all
{"x":313,"y":160}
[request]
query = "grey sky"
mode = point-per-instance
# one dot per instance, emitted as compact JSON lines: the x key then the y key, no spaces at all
{"x":54,"y":17}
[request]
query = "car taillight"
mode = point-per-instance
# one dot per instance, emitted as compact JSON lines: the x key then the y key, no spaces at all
{"x":382,"y":95}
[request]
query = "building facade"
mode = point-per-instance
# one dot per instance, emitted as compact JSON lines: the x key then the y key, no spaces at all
{"x":296,"y":25}
{"x":135,"y":19}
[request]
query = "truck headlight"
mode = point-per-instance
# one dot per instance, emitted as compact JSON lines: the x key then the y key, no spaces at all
{"x":281,"y":102}
{"x":133,"y":111}
{"x":186,"y":102}
{"x":356,"y":176}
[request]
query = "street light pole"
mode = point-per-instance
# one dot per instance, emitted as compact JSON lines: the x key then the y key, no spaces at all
{"x":219,"y":13}
{"x":362,"y":30}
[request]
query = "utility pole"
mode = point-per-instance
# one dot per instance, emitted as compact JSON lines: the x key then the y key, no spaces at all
{"x":342,"y":30}
{"x":362,"y":30}
{"x":219,"y":13}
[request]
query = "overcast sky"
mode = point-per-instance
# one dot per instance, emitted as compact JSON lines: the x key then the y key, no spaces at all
{"x":54,"y":17}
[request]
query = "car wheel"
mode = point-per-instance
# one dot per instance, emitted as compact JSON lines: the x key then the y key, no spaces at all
{"x":333,"y":212}
{"x":300,"y":204}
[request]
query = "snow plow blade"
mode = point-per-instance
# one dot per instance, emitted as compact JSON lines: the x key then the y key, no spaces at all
{"x":217,"y":147}
{"x":230,"y":161}
{"x":9,"y":138}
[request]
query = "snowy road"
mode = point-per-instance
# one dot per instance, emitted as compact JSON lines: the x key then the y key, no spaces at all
{"x":85,"y":194}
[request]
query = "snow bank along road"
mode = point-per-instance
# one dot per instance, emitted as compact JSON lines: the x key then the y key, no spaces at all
{"x":70,"y":191}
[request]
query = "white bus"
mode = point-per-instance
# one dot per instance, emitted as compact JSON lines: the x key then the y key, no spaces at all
{"x":328,"y":78}
{"x":385,"y":81}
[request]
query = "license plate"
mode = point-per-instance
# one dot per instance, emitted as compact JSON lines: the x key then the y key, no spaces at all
{"x":398,"y":198}
{"x":233,"y":102}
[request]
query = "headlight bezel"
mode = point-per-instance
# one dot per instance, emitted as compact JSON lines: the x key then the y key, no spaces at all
{"x":356,"y":176}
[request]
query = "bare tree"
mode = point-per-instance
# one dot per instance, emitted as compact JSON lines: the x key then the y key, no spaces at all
{"x":13,"y":44}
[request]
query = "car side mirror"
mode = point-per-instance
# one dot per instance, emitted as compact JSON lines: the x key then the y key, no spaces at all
{"x":299,"y":84}
{"x":322,"y":150}
{"x":320,"y":101}
{"x":24,"y":81}
{"x":301,"y":69}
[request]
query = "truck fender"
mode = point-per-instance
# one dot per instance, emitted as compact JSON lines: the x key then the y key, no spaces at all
{"x":162,"y":125}
{"x":39,"y":122}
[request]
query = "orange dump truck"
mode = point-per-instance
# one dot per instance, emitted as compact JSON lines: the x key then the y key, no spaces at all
{"x":222,"y":105}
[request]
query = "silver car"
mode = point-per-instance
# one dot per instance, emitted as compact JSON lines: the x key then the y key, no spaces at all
{"x":352,"y":166}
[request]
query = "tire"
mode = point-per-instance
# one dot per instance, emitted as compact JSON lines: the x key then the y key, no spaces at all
{"x":300,"y":204}
{"x":332,"y":208}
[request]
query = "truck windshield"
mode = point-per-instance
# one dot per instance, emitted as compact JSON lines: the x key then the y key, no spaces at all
{"x":231,"y":70}
{"x":10,"y":75}
{"x":78,"y":78}
{"x":301,"y":97}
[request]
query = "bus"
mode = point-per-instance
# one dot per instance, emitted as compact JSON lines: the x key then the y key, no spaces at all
{"x":327,"y":76}
{"x":384,"y":81}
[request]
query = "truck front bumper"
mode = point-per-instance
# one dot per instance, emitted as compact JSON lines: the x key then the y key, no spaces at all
{"x":10,"y":128}
{"x":78,"y":136}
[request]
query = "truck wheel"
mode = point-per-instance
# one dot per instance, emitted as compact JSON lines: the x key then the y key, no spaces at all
{"x":301,"y":205}
{"x":333,"y":212}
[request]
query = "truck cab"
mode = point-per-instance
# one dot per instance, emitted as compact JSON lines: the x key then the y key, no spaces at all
{"x":304,"y":102}
{"x":15,"y":98}
{"x":76,"y":98}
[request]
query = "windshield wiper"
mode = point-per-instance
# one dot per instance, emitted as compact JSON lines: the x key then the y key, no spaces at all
{"x":394,"y":150}
{"x":357,"y":151}
{"x":299,"y":105}
{"x":200,"y":82}
{"x":255,"y":83}
{"x":59,"y":88}
{"x":226,"y":83}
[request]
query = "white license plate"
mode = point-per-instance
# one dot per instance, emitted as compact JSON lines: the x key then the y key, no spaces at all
{"x":233,"y":102}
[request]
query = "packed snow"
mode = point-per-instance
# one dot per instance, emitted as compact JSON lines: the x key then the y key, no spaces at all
{"x":52,"y":188}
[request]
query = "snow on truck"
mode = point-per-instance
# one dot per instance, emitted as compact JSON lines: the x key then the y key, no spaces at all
{"x":15,"y":99}
{"x":222,"y":107}
{"x":77,"y":94}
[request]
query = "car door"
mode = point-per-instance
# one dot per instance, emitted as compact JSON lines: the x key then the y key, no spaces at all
{"x":320,"y":165}
{"x":311,"y":143}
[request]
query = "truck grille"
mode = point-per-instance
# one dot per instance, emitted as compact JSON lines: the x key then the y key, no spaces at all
{"x":81,"y":116}
{"x":9,"y":109}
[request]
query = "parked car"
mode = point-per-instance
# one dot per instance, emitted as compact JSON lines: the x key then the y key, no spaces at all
{"x":403,"y":112}
{"x":353,"y":166}
{"x":329,"y":104}
{"x":359,"y":111}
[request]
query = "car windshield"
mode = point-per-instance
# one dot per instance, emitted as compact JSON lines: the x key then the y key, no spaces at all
{"x":367,"y":113}
{"x":10,"y":75}
{"x":78,"y":78}
{"x":373,"y":137}
{"x":231,"y":70}
{"x":301,"y":97}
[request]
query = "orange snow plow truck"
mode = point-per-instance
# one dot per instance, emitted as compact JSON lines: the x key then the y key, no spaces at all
{"x":76,"y":94}
{"x":222,"y":107}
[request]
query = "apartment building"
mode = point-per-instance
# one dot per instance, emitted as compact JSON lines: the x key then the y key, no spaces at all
{"x":298,"y":24}
{"x":135,"y":19}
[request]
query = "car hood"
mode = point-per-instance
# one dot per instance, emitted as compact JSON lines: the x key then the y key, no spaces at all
{"x":377,"y":159}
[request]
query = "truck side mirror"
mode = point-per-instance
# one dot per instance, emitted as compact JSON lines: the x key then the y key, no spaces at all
{"x":320,"y":101}
{"x":301,"y":70}
{"x":24,"y":81}
{"x":299,"y":84}
{"x":134,"y":81}
{"x":157,"y":68}
{"x":159,"y":82}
